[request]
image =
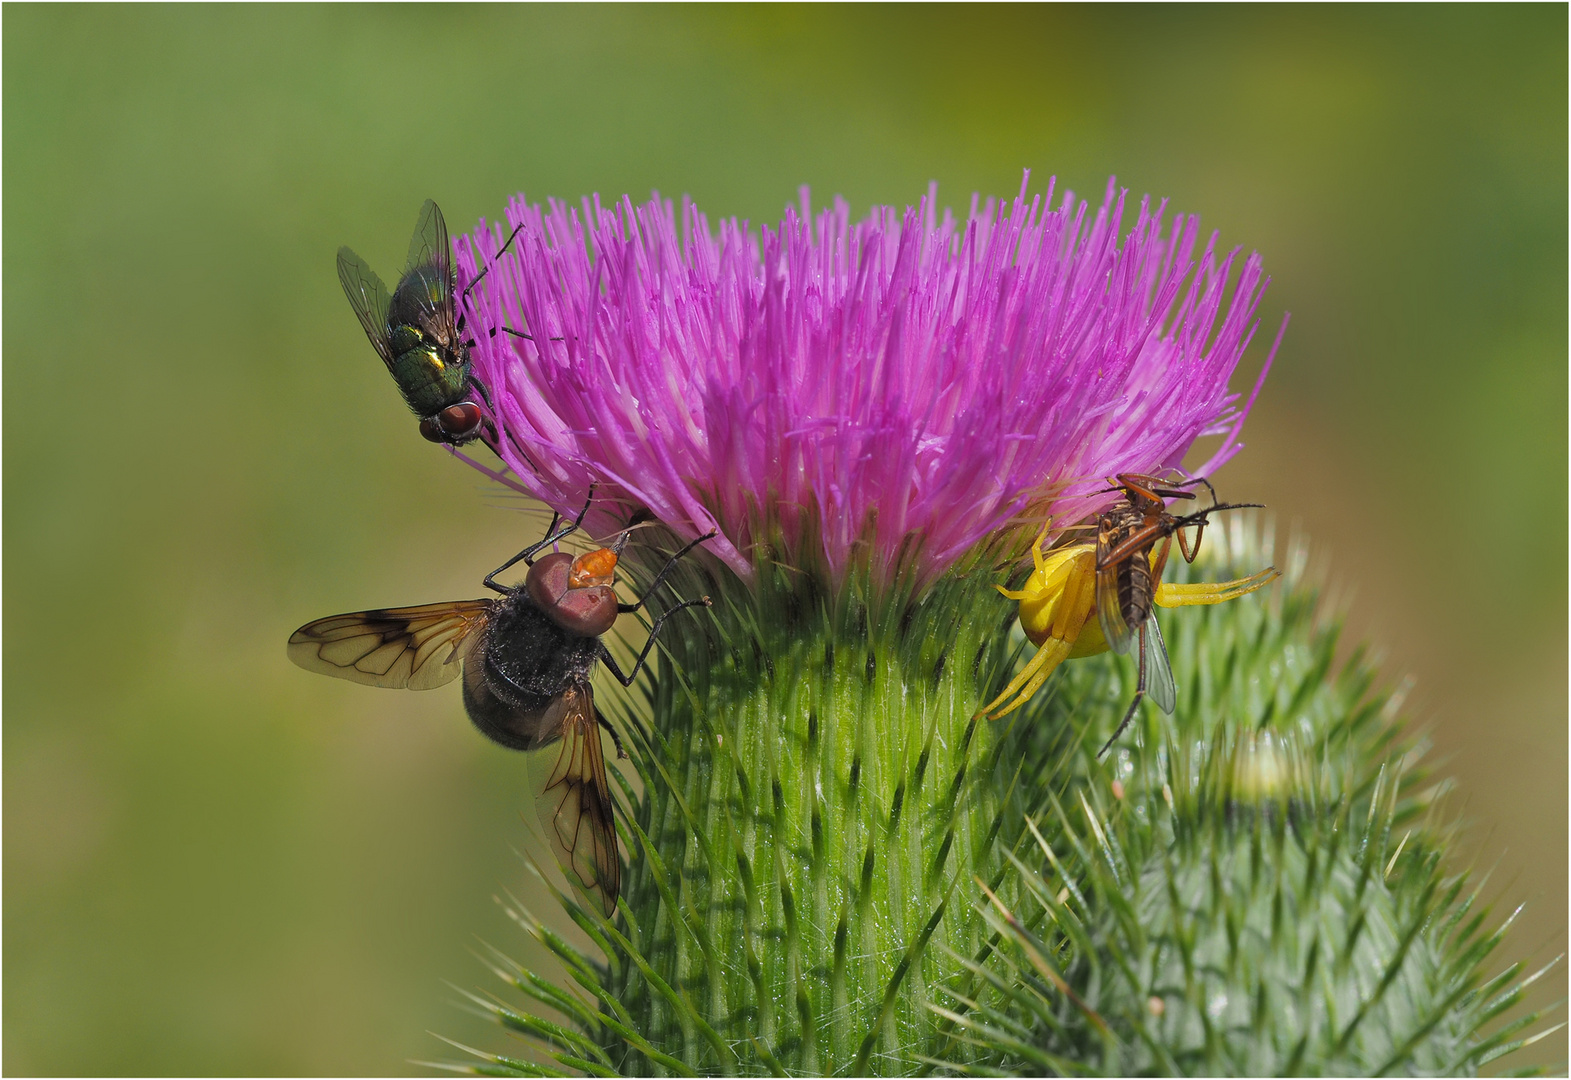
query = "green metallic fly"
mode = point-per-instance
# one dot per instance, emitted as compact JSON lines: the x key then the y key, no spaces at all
{"x":416,"y":333}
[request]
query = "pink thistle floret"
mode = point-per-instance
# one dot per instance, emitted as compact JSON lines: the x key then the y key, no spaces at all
{"x":910,"y":381}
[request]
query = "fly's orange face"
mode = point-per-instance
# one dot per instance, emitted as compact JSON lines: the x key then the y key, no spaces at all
{"x":593,"y":568}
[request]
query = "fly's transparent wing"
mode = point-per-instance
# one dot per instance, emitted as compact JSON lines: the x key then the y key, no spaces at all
{"x":429,"y":246}
{"x":574,"y":802}
{"x":425,"y":292}
{"x":1159,"y":673}
{"x":412,"y":648}
{"x":368,"y":296}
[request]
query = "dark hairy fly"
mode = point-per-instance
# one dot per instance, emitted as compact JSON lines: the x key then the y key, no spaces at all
{"x":526,"y":659}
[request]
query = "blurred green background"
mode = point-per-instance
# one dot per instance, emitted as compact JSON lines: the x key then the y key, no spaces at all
{"x":216,"y":863}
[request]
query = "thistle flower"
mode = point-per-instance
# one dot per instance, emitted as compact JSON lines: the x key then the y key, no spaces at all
{"x":913,"y":381}
{"x":870,"y":415}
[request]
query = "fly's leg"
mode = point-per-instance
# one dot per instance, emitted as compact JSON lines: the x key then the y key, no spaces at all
{"x":621,"y":751}
{"x":553,"y":534}
{"x":664,"y":570}
{"x":1140,"y":693}
{"x":654,"y":632}
{"x":1191,"y":551}
{"x":485,"y":395}
{"x":1199,"y":519}
{"x":520,"y":334}
{"x":1190,"y":481}
{"x":491,"y":438}
{"x":1141,"y":540}
{"x":1150,"y":487}
{"x":464,"y":296}
{"x":500,"y":252}
{"x":470,"y":342}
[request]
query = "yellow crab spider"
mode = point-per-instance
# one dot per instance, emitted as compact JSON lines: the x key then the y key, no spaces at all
{"x":1056,"y":609}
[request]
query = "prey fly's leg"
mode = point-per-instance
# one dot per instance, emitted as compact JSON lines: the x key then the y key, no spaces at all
{"x":1199,"y":519}
{"x":1140,"y":693}
{"x":664,"y":570}
{"x":654,"y":632}
{"x":1152,"y":487}
{"x":553,"y":534}
{"x":1140,"y":540}
{"x":1169,"y":489}
{"x":1191,"y":551}
{"x":1207,"y":483}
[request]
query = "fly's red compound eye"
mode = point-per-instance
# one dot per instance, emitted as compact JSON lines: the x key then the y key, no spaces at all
{"x":430,"y":432}
{"x":589,"y":612}
{"x":459,"y":421}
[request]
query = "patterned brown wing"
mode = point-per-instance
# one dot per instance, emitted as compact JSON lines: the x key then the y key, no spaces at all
{"x":413,"y":648}
{"x":574,"y":801}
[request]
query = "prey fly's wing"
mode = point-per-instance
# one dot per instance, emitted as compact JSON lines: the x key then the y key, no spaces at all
{"x":413,"y":648}
{"x":1113,"y":530}
{"x":1119,"y":634}
{"x":369,"y":297}
{"x":574,"y":801}
{"x":1159,"y":673}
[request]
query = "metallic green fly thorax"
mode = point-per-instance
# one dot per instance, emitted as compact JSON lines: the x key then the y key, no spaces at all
{"x":429,"y":377}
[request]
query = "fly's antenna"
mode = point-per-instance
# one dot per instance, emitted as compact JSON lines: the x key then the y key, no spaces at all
{"x":640,"y":518}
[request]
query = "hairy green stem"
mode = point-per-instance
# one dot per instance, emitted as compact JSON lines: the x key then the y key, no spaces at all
{"x":830,"y":792}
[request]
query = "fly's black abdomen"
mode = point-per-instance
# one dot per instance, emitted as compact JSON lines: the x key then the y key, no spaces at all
{"x":517,"y":674}
{"x":516,"y":721}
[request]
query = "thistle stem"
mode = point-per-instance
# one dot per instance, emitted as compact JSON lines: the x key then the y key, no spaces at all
{"x":816,"y":804}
